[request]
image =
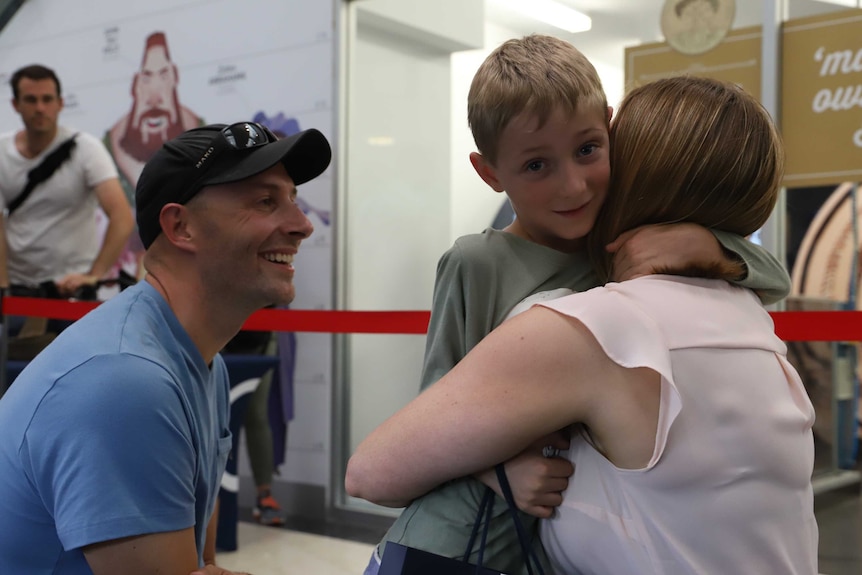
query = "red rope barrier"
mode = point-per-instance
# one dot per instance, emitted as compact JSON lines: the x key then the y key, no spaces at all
{"x":403,"y":322}
{"x":789,"y":325}
{"x":395,"y":322}
{"x":50,"y":308}
{"x":818,"y":325}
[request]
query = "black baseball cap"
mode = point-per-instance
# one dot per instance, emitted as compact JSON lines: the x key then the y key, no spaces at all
{"x":221,"y":154}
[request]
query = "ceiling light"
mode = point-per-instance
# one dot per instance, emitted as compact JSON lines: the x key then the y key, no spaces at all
{"x":850,"y":3}
{"x":549,"y":12}
{"x":381,"y":141}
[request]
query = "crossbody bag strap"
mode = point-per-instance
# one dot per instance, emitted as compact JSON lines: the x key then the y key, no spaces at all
{"x":523,"y":538}
{"x":483,"y":520}
{"x":43,"y":171}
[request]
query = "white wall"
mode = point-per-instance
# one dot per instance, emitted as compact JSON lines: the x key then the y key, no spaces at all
{"x":396,"y":208}
{"x":397,"y":194}
{"x":426,"y":23}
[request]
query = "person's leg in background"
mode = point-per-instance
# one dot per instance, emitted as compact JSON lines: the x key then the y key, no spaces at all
{"x":258,"y":434}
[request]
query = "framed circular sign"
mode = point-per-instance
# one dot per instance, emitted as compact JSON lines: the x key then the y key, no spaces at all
{"x":696,"y":26}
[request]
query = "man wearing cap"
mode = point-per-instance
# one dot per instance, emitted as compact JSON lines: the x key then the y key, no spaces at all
{"x":116,"y":436}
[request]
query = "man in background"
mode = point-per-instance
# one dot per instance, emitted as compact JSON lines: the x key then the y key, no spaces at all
{"x":52,"y":245}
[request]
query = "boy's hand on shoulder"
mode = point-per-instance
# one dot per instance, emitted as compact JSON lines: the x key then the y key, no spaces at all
{"x":665,"y":248}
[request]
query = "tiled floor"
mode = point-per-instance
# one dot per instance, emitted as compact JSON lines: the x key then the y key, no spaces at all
{"x":271,"y":551}
{"x":308,"y":547}
{"x":839,"y":517}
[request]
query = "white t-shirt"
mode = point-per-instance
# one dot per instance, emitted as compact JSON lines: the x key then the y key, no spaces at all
{"x":728,"y":488}
{"x":53,"y":233}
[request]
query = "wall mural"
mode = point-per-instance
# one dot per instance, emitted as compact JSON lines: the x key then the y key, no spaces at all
{"x":137,"y":74}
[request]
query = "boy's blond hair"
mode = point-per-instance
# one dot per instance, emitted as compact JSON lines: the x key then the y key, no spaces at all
{"x":536,"y":74}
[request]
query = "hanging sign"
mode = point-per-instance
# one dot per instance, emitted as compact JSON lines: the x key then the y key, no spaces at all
{"x":736,"y":59}
{"x":821,"y":110}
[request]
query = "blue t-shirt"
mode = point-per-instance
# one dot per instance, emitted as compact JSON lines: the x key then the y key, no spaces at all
{"x":117,"y":429}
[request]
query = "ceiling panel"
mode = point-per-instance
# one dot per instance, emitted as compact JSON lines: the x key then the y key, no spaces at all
{"x":636,"y":21}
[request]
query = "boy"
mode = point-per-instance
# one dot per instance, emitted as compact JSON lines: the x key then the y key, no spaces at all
{"x":539,"y":117}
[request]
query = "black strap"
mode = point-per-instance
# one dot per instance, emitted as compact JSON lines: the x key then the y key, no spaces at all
{"x":44,"y":170}
{"x":523,"y":539}
{"x":489,"y":509}
{"x":483,"y":518}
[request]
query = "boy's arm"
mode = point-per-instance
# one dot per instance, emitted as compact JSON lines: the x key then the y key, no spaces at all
{"x":766,"y":276}
{"x":536,"y":482}
{"x":669,"y":248}
{"x":446,"y":342}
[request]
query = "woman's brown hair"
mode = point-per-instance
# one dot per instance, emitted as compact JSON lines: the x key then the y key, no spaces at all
{"x":689,"y":149}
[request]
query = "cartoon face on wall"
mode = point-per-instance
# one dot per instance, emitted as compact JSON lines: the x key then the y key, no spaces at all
{"x":155,"y":115}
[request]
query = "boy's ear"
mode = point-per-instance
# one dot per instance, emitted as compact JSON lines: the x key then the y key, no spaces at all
{"x":610,"y":114}
{"x":486,"y":171}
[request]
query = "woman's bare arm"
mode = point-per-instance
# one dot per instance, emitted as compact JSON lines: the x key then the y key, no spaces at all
{"x":535,"y":374}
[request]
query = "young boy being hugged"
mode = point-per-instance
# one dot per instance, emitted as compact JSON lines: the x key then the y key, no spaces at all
{"x":539,"y":118}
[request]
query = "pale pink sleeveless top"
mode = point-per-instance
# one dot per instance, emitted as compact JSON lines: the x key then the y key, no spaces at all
{"x":728,"y":489}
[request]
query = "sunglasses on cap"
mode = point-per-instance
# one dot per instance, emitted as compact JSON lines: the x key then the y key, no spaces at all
{"x":238,"y":136}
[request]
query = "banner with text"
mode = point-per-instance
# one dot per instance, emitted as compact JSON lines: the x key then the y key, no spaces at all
{"x":821,"y":94}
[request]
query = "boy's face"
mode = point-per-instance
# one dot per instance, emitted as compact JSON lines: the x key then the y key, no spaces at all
{"x":555,"y":176}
